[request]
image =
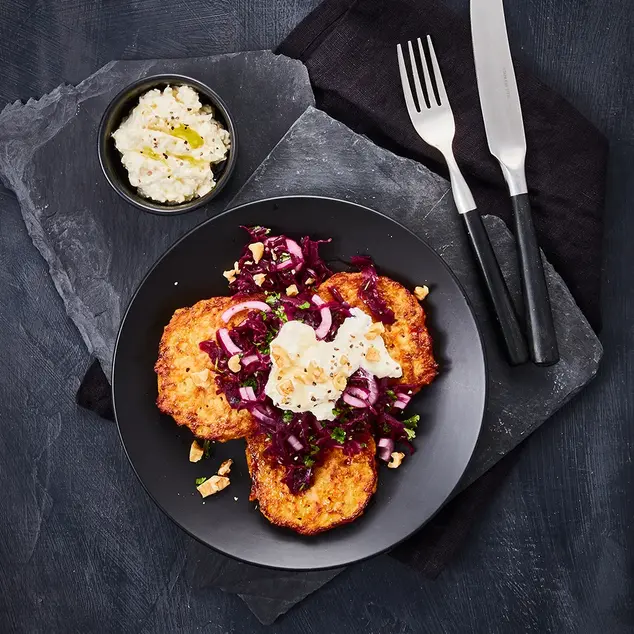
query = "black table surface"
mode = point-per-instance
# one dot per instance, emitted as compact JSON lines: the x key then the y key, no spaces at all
{"x":554,"y":551}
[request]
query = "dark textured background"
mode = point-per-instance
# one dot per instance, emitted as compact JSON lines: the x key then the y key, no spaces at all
{"x":554,"y":552}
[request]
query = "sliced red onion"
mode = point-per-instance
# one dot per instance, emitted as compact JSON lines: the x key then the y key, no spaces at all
{"x":401,"y":401}
{"x":227,"y":343}
{"x":353,"y":400}
{"x":326,"y":323}
{"x":286,"y":264}
{"x":386,"y":447}
{"x":295,"y":250}
{"x":247,"y":393}
{"x":238,"y":308}
{"x":359,"y":392}
{"x":294,"y":443}
{"x":373,"y":388}
{"x":249,"y":359}
{"x":263,"y":416}
{"x":326,"y":318}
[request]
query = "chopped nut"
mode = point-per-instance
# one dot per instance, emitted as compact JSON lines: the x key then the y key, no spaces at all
{"x":344,"y":360}
{"x":375,"y":330}
{"x":196,"y":452}
{"x":339,"y":381}
{"x":257,"y":248}
{"x":316,"y":373}
{"x":213,"y":485}
{"x":292,"y":290}
{"x":225,"y":467}
{"x":310,"y":281}
{"x":236,"y":268}
{"x":281,"y":358}
{"x":200,"y":379}
{"x":303,"y":377}
{"x":420,"y":292}
{"x":259,"y":278}
{"x":395,"y":460}
{"x":372,"y":355}
{"x":286,"y":387}
{"x":234,"y":363}
{"x":230,"y":275}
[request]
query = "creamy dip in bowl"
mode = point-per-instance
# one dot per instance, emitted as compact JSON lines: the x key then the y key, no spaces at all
{"x":167,"y":144}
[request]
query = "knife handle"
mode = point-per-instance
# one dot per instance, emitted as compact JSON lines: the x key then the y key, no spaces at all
{"x":496,"y":287}
{"x":542,"y":340}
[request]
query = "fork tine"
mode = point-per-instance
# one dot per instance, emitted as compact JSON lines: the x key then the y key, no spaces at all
{"x":442,"y":93}
{"x":419,"y":89}
{"x":428,"y":83}
{"x":407,"y":90}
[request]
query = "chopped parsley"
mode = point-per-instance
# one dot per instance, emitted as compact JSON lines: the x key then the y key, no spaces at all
{"x":199,"y":481}
{"x":412,"y":422}
{"x":338,"y":434}
{"x":207,"y":448}
{"x":308,"y":461}
{"x":337,"y":412}
{"x":391,"y":394}
{"x":304,"y":306}
{"x":287,"y":417}
{"x":250,"y":382}
{"x":272,"y":298}
{"x":411,"y":434}
{"x":279,"y":311}
{"x":284,"y":257}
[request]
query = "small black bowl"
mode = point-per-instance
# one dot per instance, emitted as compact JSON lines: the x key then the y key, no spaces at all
{"x":110,"y":159}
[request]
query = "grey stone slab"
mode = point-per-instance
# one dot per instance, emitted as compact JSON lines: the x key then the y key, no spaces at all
{"x":317,"y":156}
{"x":97,"y":246}
{"x":321,"y":156}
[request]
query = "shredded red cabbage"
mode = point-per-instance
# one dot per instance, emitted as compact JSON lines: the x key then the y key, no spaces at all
{"x":284,"y":262}
{"x":369,"y":292}
{"x":298,"y":441}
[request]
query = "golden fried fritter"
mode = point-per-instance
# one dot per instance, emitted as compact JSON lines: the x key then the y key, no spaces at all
{"x":187,"y":389}
{"x":407,"y":339}
{"x":342,"y":489}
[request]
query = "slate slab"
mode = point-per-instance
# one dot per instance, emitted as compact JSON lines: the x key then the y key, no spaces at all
{"x":98,"y":251}
{"x":321,"y":156}
{"x":97,"y":247}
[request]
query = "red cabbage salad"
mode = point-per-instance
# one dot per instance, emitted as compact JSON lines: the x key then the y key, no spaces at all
{"x":368,"y":406}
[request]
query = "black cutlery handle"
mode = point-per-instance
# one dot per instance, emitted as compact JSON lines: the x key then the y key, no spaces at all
{"x":542,"y":340}
{"x":497,"y":289}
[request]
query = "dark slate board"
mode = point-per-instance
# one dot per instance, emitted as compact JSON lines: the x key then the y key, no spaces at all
{"x":98,"y":247}
{"x":317,"y":156}
{"x":321,"y":156}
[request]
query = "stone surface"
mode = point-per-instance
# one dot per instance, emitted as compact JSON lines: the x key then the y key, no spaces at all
{"x":553,"y":552}
{"x":318,"y":155}
{"x":98,"y":247}
{"x":321,"y":156}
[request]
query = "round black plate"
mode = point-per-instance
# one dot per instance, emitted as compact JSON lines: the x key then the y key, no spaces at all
{"x":451,"y":408}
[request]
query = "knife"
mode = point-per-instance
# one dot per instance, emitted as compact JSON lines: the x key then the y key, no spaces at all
{"x":505,"y":135}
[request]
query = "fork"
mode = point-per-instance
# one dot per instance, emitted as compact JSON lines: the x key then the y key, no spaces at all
{"x":434,"y":122}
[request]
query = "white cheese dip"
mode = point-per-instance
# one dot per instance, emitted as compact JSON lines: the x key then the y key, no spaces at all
{"x":308,"y":375}
{"x":168,"y":144}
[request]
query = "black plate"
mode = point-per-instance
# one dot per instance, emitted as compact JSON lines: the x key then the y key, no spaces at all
{"x":451,"y":408}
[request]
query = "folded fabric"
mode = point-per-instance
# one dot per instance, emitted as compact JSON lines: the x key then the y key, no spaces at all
{"x":349,"y":48}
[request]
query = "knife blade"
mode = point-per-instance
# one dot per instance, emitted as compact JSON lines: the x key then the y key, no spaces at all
{"x":504,"y":125}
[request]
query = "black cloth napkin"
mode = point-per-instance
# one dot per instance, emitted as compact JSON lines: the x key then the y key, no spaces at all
{"x":349,"y":48}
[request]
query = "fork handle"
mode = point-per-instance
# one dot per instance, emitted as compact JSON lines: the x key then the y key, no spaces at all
{"x":539,"y":317}
{"x":496,"y":286}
